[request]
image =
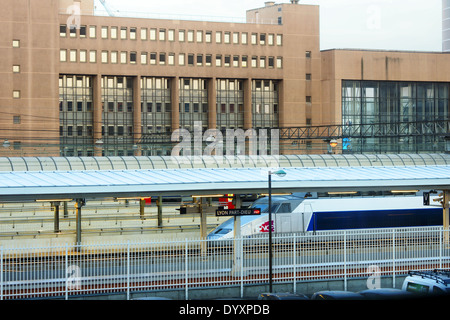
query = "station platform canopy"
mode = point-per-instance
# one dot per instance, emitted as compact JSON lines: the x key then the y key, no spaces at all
{"x":161,"y":162}
{"x":91,"y":178}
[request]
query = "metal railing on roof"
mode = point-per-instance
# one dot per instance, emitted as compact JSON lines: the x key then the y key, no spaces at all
{"x":168,"y":162}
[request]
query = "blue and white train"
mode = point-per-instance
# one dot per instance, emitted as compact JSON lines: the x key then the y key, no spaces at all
{"x":295,"y":213}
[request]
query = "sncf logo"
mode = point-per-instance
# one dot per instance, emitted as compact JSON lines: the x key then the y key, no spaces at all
{"x":265,"y":227}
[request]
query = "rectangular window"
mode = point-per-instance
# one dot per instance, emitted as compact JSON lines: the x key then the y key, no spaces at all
{"x":133,"y":33}
{"x":279,"y":40}
{"x":227,"y":61}
{"x":92,"y":32}
{"x":181,"y":58}
{"x":123,"y":33}
{"x":153,"y":34}
{"x":63,"y":31}
{"x":73,"y":56}
{"x":83,"y":56}
{"x":181,"y":37}
{"x":114,"y":33}
{"x":162,"y":58}
{"x":218,"y":37}
{"x":235,"y":37}
{"x":171,"y":60}
{"x":236,"y":61}
{"x":190,"y":36}
{"x":208,"y":36}
{"x":171,"y":35}
{"x":199,"y":60}
{"x":16,"y":94}
{"x":93,"y":56}
{"x":133,"y":57}
{"x":162,"y":34}
{"x":153,"y":58}
{"x":114,"y":57}
{"x":104,"y":56}
{"x":63,"y":55}
{"x":123,"y":57}
{"x":218,"y":60}
{"x":143,"y":34}
{"x":208,"y":60}
{"x":190,"y":59}
{"x":244,"y":61}
{"x":270,"y":39}
{"x":16,"y":69}
{"x":244,"y":38}
{"x":144,"y":58}
{"x":279,"y":62}
{"x":262,"y":39}
{"x":83,"y":32}
{"x":104,"y":32}
{"x":226,"y":37}
{"x":199,"y":36}
{"x":254,"y":38}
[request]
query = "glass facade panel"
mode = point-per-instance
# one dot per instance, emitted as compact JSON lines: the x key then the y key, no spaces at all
{"x":230,"y":104}
{"x":193,"y":102}
{"x":75,"y":115}
{"x":391,"y":109}
{"x":118,"y":108}
{"x":156,"y":111}
{"x":265,"y":103}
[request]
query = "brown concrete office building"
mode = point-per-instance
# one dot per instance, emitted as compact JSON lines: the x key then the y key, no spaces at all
{"x":115,"y":79}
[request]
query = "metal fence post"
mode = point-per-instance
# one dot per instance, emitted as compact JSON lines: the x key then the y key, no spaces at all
{"x":186,"y":284}
{"x":128,"y":270}
{"x":294,"y":258}
{"x":1,"y":272}
{"x":67,"y":267}
{"x":241,"y":264}
{"x":345,"y":261}
{"x":393,"y":258}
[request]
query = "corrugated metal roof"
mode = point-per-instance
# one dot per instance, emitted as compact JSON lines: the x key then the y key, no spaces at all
{"x":20,"y":185}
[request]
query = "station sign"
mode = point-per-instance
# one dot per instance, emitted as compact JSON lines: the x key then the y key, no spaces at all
{"x":237,"y":212}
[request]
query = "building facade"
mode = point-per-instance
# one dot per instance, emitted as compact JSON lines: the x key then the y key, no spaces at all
{"x":77,"y":84}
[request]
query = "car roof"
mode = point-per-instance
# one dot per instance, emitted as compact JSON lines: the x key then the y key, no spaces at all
{"x":387,"y":293}
{"x":336,"y":294}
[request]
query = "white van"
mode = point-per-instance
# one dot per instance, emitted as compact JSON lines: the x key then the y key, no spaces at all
{"x":436,"y":282}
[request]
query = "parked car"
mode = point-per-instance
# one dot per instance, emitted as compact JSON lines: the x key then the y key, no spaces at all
{"x":385,"y":294}
{"x":336,"y":295}
{"x":436,"y":282}
{"x":282,"y":296}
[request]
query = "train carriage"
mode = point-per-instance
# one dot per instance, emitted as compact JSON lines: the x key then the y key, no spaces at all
{"x":297,"y":213}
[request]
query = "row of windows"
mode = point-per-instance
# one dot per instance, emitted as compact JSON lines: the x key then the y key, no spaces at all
{"x":171,"y":35}
{"x":171,"y":59}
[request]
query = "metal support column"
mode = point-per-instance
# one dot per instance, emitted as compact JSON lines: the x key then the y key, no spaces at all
{"x":55,"y":206}
{"x":142,"y":208}
{"x":446,"y":215}
{"x":237,"y":244}
{"x":159,"y":204}
{"x":79,"y":203}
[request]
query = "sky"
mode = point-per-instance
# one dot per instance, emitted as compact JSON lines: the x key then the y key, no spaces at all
{"x":364,"y":24}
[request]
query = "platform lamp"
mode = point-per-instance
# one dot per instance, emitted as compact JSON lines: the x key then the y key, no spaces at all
{"x":279,"y":173}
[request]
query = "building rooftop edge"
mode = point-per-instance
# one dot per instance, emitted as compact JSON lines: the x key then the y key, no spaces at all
{"x":384,"y":50}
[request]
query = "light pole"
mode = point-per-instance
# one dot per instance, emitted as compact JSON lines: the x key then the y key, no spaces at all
{"x":279,"y":173}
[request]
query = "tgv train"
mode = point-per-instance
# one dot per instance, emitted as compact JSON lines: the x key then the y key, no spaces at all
{"x":295,"y":213}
